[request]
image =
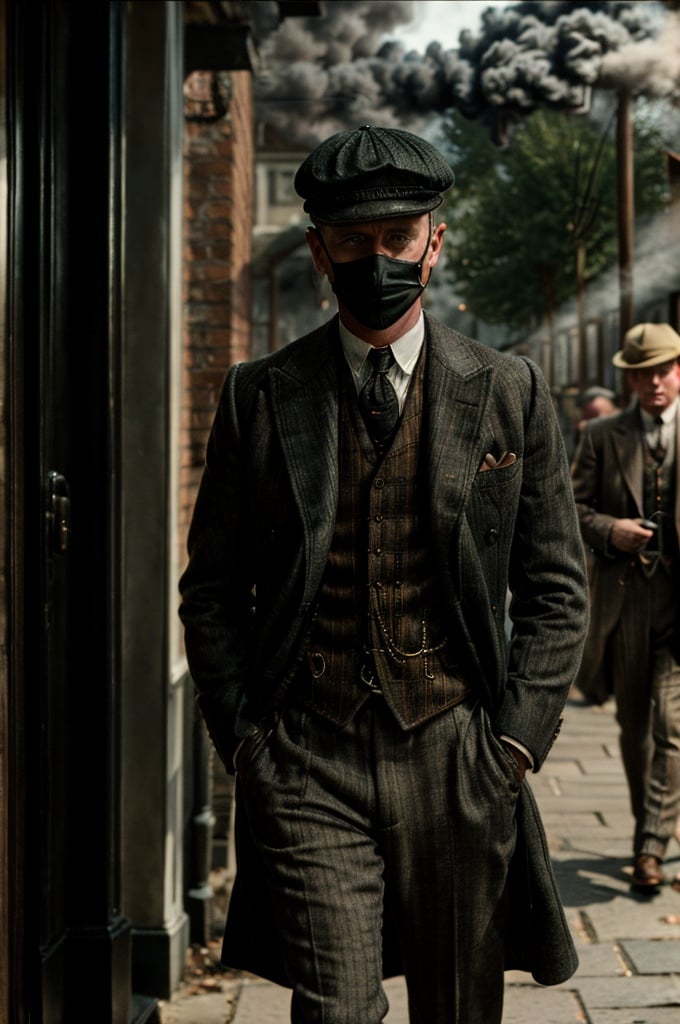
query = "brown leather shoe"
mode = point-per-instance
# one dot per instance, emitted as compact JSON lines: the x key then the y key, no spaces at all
{"x":647,"y":873}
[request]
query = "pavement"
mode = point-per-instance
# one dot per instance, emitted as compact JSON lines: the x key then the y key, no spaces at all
{"x":628,"y":943}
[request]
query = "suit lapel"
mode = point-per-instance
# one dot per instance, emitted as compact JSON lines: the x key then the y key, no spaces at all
{"x":457,"y":393}
{"x":305,"y":406}
{"x":677,"y":472}
{"x":457,"y":390}
{"x":626,"y":441}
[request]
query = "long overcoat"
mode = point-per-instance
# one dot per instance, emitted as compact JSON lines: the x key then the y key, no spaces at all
{"x":258,"y":545}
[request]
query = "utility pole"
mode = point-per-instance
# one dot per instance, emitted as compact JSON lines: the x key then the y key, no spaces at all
{"x":580,"y":301}
{"x":626,"y":213}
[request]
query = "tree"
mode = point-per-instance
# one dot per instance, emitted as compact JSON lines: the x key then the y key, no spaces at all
{"x":530,"y":219}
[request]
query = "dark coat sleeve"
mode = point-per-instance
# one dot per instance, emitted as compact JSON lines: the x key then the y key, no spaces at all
{"x":548,"y":609}
{"x":216,"y":587}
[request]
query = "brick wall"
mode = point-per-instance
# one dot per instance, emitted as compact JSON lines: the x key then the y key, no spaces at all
{"x":218,"y":222}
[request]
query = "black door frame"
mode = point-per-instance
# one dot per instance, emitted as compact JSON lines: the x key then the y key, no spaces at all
{"x":71,"y":945}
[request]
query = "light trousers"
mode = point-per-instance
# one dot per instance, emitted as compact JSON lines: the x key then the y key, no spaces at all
{"x":646,"y":681}
{"x":368,"y":827}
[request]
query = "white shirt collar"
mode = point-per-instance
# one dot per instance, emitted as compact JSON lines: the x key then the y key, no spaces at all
{"x":668,"y":415}
{"x":406,"y":349}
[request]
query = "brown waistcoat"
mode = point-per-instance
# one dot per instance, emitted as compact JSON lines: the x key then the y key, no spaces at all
{"x":379,"y":607}
{"x":659,"y":502}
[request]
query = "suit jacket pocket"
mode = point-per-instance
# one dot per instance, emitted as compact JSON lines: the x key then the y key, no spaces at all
{"x":501,"y":758}
{"x":498,"y":476}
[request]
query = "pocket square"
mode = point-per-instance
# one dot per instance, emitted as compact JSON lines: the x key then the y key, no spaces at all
{"x":503,"y":460}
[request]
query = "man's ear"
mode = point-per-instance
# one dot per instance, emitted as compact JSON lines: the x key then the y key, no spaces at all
{"x":436,"y":242}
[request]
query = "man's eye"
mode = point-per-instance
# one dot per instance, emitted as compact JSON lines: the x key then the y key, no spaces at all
{"x":399,"y":242}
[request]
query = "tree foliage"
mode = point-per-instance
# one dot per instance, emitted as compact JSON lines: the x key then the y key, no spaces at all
{"x":519,"y":214}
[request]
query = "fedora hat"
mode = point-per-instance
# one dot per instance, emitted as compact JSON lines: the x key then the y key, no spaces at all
{"x":647,"y":345}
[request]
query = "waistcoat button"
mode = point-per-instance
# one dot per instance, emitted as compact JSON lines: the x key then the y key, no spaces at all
{"x":491,"y":536}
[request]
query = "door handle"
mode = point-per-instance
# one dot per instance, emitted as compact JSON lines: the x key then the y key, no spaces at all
{"x":58,"y":513}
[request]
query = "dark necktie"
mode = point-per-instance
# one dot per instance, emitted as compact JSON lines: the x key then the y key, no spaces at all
{"x":378,"y":400}
{"x":658,"y":450}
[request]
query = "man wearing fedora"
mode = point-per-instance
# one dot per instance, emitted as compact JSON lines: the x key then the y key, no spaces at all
{"x":626,"y":478}
{"x":371,"y":492}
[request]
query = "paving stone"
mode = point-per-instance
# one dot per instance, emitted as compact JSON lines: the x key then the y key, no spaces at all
{"x":646,"y":1015}
{"x":597,"y":768}
{"x":570,"y":820}
{"x":592,"y":840}
{"x":581,"y":749}
{"x":525,"y":1003}
{"x":605,"y":842}
{"x":595,"y":805}
{"x":205,"y":1008}
{"x":395,"y":989}
{"x":598,"y":960}
{"x":605,"y":872}
{"x":606,"y":804}
{"x":617,"y":993}
{"x":602,"y":842}
{"x":608,"y":857}
{"x":653,"y":956}
{"x":262,"y":1002}
{"x":566,"y":769}
{"x":580,"y":893}
{"x":635,"y":916}
{"x":608,"y":788}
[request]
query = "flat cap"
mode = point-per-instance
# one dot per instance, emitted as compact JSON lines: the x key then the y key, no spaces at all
{"x":369,"y":172}
{"x":647,"y":345}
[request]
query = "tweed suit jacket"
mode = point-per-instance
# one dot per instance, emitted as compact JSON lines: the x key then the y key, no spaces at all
{"x":608,"y":481}
{"x":263,"y":525}
{"x":265,"y":514}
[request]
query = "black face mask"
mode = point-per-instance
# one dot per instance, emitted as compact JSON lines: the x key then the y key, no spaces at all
{"x":378,"y":289}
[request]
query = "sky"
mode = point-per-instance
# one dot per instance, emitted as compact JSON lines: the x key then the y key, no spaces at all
{"x":322,"y":75}
{"x":443,"y":21}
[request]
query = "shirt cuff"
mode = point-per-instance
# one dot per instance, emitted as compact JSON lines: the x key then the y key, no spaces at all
{"x":520,"y":747}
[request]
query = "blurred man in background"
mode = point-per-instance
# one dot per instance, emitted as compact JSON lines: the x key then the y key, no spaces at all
{"x":627,"y":488}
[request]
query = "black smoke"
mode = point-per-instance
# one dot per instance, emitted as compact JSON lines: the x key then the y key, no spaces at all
{"x":324,"y":74}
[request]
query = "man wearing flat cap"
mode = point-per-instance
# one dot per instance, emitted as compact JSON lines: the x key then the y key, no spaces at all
{"x":626,"y":478}
{"x":371,"y":492}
